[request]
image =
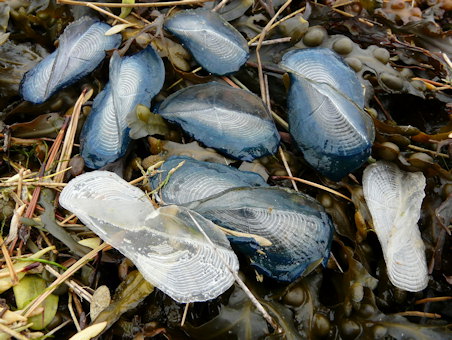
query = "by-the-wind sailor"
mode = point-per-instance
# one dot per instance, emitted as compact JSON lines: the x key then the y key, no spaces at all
{"x":196,"y":180}
{"x":297,"y":226}
{"x":81,"y":48}
{"x":233,"y":121}
{"x":325,"y":110}
{"x":394,"y":198}
{"x":133,"y":80}
{"x":165,"y":244}
{"x":214,"y":43}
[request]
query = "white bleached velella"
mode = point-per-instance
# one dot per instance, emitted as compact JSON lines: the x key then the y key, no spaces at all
{"x":165,"y":244}
{"x":394,"y":198}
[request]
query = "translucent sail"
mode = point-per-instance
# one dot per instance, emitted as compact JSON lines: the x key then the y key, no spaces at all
{"x":169,"y":249}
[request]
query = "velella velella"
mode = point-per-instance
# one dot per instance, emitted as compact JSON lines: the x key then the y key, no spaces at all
{"x":81,"y":48}
{"x":351,"y":296}
{"x":325,"y":110}
{"x":214,"y":43}
{"x":323,"y":66}
{"x":394,"y":198}
{"x":297,"y":226}
{"x":134,"y":80}
{"x":233,"y":121}
{"x":169,"y":249}
{"x":196,"y":180}
{"x":373,"y":59}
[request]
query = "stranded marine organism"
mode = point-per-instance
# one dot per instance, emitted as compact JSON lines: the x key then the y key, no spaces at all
{"x":297,"y":226}
{"x":82,"y":47}
{"x":134,"y":80}
{"x":233,"y":121}
{"x":168,"y":245}
{"x":394,"y":198}
{"x":214,"y":43}
{"x":326,"y":117}
{"x":196,"y":180}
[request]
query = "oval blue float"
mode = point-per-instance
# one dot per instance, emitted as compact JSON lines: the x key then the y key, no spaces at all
{"x":297,"y":226}
{"x":133,"y":80}
{"x":325,"y":109}
{"x":196,"y":180}
{"x":215,"y":44}
{"x":81,"y":48}
{"x":233,"y":121}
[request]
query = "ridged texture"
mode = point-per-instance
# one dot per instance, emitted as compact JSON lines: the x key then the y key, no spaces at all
{"x":214,"y":43}
{"x":394,"y":198}
{"x":133,"y":80}
{"x":231,"y":120}
{"x":297,"y":226}
{"x":326,"y":117}
{"x":81,"y":48}
{"x":196,"y":180}
{"x":165,"y":244}
{"x":321,"y":65}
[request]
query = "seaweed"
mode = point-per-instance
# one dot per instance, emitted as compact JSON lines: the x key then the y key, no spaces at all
{"x":401,"y":53}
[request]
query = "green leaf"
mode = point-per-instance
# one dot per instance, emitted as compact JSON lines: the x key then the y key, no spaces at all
{"x":125,"y":11}
{"x":5,"y":280}
{"x":29,"y":288}
{"x":143,"y":123}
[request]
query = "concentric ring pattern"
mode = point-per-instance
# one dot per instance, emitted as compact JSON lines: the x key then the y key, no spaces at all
{"x":166,"y":245}
{"x":296,"y":225}
{"x":326,"y":117}
{"x":214,"y":43}
{"x":133,"y":80}
{"x":82,"y":47}
{"x":394,"y":198}
{"x":230,"y":120}
{"x":322,"y":65}
{"x":196,"y":180}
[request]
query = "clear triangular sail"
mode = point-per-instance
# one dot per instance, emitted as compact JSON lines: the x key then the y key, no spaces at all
{"x":165,"y":244}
